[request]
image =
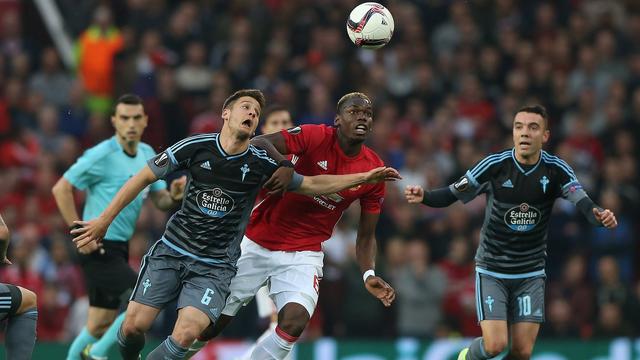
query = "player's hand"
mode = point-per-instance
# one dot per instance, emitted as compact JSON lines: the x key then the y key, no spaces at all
{"x":279,"y":181}
{"x":91,"y":231}
{"x":91,"y":247}
{"x":383,"y":173}
{"x":381,"y":290}
{"x":414,"y":194}
{"x":176,"y":189}
{"x":606,"y":217}
{"x":6,"y":261}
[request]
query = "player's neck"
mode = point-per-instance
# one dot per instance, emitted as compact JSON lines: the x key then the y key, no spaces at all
{"x":231,"y":144}
{"x":349,"y":147}
{"x":129,"y":147}
{"x":529,"y":160}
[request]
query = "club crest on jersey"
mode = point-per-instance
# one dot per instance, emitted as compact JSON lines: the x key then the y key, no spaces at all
{"x":522,"y":217}
{"x":245,"y":169}
{"x":544,"y":182}
{"x":215,"y":203}
{"x":462,"y":184}
{"x":161,"y":160}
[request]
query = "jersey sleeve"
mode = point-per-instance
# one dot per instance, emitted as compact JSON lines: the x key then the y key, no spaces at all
{"x":86,"y":171}
{"x":570,"y":187}
{"x":477,"y":179}
{"x":372,"y":200}
{"x":302,"y":138}
{"x":177,"y":156}
{"x":149,"y":152}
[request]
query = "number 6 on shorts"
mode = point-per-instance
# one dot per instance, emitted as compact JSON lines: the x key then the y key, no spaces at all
{"x":206,"y":298}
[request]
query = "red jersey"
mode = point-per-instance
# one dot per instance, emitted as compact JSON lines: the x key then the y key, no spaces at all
{"x":296,"y":222}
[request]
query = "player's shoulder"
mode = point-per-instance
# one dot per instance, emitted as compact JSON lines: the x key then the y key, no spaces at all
{"x":491,"y":160}
{"x":146,"y":149}
{"x":102,"y":149}
{"x":314,"y":130}
{"x":261,"y":155}
{"x":195,"y":140}
{"x":554,"y":161}
{"x":371,"y":156}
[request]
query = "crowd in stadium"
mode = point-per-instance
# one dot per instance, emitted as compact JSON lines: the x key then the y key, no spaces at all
{"x":445,"y":90}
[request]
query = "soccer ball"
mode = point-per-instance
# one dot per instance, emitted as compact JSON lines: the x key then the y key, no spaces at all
{"x":370,"y":25}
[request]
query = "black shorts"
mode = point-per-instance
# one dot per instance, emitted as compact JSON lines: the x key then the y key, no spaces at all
{"x":514,"y":300}
{"x":108,"y":276}
{"x":10,"y":300}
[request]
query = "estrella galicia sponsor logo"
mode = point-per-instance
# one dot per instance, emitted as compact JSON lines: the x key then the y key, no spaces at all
{"x":161,"y":160}
{"x":462,"y":184}
{"x":522,"y":217}
{"x":215,"y":203}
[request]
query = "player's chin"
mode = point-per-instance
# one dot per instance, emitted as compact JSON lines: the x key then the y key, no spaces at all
{"x":358,"y":136}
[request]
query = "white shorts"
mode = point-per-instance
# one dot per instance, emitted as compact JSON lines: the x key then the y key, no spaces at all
{"x":290,"y":276}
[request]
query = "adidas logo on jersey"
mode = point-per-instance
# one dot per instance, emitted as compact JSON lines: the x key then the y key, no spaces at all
{"x":507,"y":184}
{"x":206,"y":165}
{"x":323,"y":164}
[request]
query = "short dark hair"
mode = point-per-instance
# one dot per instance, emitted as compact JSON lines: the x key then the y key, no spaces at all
{"x":272,"y":109}
{"x":253,"y":93}
{"x":535,"y":109}
{"x":127,"y":99}
{"x":349,"y":96}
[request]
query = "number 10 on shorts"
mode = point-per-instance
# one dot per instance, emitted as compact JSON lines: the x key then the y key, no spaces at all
{"x":206,"y":298}
{"x":524,"y":304}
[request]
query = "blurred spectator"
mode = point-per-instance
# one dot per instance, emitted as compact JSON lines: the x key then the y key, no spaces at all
{"x":194,"y":76}
{"x":559,"y":323}
{"x":96,"y":49}
{"x":421,"y":288}
{"x":610,"y":286}
{"x":459,"y":305}
{"x":52,"y":82}
{"x":611,"y":322}
{"x":51,"y":309}
{"x":574,"y":288}
{"x":619,"y":243}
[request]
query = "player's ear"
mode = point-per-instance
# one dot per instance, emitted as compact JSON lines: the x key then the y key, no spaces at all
{"x":336,"y":121}
{"x":225,"y":114}
{"x":545,"y":136}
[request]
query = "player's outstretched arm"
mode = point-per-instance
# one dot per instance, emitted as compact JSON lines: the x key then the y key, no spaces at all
{"x":166,"y":200}
{"x":329,"y":184}
{"x":366,"y":249}
{"x":441,"y":197}
{"x":93,"y":231}
{"x":274,"y":144}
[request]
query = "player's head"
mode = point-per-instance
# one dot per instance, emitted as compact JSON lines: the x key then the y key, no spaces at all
{"x":128,"y":118}
{"x":354,"y":118}
{"x":530,"y":130}
{"x":241,"y":112}
{"x":276,"y":118}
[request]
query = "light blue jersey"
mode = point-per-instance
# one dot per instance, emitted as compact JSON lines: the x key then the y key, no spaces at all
{"x":101,"y":171}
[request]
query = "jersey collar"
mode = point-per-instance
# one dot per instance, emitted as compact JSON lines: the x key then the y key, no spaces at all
{"x":119,"y":146}
{"x":513,"y":156}
{"x":224,"y":153}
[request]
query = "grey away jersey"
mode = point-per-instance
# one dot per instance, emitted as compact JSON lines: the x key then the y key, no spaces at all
{"x":219,"y":196}
{"x":513,"y":239}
